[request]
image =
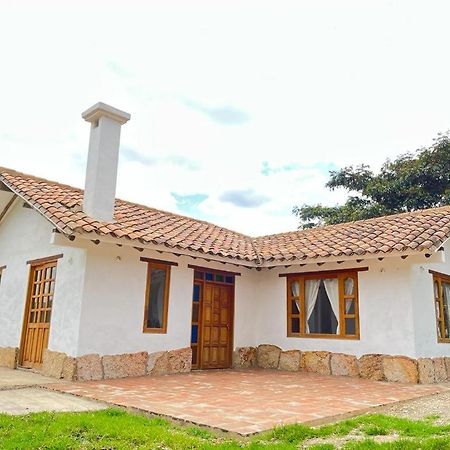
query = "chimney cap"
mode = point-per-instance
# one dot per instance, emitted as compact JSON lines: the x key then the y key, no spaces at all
{"x":100,"y":109}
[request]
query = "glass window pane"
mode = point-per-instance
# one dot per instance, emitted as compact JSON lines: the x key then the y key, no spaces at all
{"x":196,"y":294}
{"x":349,"y":286}
{"x":319,"y":295}
{"x":228,"y":279}
{"x":446,"y":300}
{"x":295,"y":325}
{"x":156,"y":301}
{"x":436,"y":290}
{"x":198,"y":275}
{"x":349,"y":306}
{"x":295,"y":307}
{"x":209,"y":276}
{"x":295,"y":288}
{"x":220,"y":278}
{"x":194,"y":334}
{"x":195,"y":312}
{"x":350,"y":326}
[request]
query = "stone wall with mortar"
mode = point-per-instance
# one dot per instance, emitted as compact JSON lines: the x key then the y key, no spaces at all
{"x":96,"y":367}
{"x":375,"y":367}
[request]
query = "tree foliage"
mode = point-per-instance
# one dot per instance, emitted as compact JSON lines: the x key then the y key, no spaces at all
{"x":412,"y":181}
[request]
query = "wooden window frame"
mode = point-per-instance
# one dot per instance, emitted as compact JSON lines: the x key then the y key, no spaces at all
{"x":438,"y":278}
{"x":166,"y":266}
{"x":341,"y":275}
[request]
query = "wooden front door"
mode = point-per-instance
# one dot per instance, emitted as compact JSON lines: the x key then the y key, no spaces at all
{"x":38,"y":312}
{"x":216,"y":326}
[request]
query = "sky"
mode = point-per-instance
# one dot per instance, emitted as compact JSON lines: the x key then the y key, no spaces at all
{"x":239,"y":110}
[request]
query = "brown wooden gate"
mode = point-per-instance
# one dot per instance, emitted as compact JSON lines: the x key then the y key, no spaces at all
{"x":38,"y":310}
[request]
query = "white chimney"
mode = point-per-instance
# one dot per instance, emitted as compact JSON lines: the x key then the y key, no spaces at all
{"x":103,"y":157}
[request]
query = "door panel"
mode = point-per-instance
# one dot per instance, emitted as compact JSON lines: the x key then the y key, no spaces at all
{"x":36,"y":328}
{"x":216,"y":326}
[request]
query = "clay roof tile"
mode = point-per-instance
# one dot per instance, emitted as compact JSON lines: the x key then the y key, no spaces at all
{"x":62,"y":205}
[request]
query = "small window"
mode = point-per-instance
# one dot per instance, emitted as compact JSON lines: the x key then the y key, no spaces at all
{"x":157,"y":298}
{"x":323,"y":305}
{"x":441,"y":288}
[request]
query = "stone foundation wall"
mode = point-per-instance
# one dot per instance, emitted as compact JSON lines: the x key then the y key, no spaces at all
{"x":377,"y":367}
{"x":96,"y":367}
{"x":9,"y":357}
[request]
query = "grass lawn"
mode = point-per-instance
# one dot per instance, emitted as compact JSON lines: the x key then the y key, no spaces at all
{"x":116,"y":429}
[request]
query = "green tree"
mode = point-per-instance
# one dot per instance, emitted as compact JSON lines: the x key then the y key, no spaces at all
{"x":412,"y":181}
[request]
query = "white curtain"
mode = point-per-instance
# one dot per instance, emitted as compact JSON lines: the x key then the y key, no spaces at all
{"x":296,"y":293}
{"x":446,"y":294}
{"x":311,"y":291}
{"x":348,"y":286}
{"x":332,"y":288}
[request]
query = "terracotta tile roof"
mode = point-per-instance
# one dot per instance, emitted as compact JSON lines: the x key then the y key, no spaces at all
{"x":412,"y":231}
{"x":60,"y":204}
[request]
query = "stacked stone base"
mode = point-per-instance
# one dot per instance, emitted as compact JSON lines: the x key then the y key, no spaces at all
{"x":96,"y":367}
{"x":9,"y":357}
{"x":376,"y":367}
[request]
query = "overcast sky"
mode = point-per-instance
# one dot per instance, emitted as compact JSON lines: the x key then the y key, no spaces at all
{"x":237,"y":112}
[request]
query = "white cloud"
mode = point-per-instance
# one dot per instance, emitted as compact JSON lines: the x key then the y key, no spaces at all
{"x":304,"y":84}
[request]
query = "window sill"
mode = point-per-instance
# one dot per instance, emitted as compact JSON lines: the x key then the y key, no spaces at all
{"x":154,"y":331}
{"x":324,"y":336}
{"x":443,"y":341}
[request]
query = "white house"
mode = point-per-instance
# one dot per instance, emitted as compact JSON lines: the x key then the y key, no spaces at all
{"x":94,"y":287}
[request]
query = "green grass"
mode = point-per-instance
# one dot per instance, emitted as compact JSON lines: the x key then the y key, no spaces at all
{"x":116,"y":429}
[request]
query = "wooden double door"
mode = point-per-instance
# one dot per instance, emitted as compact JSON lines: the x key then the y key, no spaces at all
{"x":212,"y":325}
{"x":38,"y":311}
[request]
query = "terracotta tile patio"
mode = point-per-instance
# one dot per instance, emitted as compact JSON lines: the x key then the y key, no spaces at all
{"x":249,"y":401}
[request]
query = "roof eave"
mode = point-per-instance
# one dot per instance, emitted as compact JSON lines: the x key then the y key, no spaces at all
{"x":63,"y":239}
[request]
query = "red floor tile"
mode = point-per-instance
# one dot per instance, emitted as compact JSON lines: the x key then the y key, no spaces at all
{"x":248,"y":401}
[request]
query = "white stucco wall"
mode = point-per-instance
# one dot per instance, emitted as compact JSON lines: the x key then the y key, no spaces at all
{"x":25,"y":235}
{"x":395,"y":306}
{"x":423,"y":306}
{"x":114,"y":295}
{"x":100,"y":294}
